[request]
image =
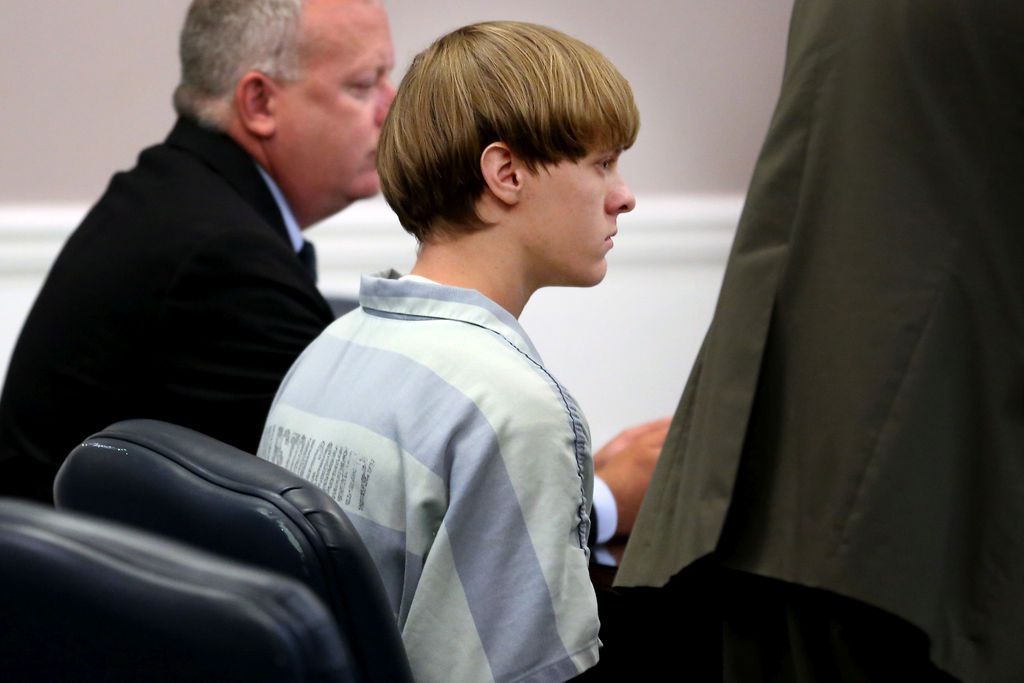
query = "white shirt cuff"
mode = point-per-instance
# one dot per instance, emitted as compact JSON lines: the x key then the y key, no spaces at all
{"x":607,"y":511}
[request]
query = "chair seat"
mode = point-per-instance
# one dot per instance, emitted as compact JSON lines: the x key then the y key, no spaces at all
{"x":87,"y":600}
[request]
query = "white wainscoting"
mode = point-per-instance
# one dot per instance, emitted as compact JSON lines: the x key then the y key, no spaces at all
{"x":624,"y":348}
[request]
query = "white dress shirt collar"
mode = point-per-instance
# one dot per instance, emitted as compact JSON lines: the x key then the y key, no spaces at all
{"x":294,"y":231}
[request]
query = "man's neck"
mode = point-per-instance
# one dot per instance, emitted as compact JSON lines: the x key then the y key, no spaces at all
{"x":479,"y":261}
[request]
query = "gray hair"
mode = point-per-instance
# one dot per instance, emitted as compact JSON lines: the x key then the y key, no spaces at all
{"x":224,"y":39}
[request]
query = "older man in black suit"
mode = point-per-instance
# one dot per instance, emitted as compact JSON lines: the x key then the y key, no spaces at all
{"x":187,"y":291}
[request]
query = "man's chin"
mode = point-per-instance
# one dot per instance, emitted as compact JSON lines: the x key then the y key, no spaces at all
{"x":355,"y":192}
{"x":365,"y":187}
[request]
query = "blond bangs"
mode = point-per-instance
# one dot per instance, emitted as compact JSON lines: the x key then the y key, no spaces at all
{"x":546,"y":95}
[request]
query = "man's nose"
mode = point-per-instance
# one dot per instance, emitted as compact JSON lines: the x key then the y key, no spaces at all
{"x":621,"y":200}
{"x":384,"y":100}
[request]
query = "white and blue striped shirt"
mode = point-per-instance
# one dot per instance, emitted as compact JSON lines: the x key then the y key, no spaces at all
{"x":466,"y":469}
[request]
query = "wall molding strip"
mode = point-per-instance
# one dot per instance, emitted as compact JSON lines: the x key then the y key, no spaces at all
{"x":663,"y":230}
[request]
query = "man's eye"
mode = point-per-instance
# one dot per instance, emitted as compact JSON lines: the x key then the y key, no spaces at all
{"x":360,"y":90}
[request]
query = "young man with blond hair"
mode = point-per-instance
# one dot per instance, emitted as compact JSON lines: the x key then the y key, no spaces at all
{"x":427,"y":413}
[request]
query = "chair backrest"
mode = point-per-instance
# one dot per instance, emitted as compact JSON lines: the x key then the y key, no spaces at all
{"x":185,"y":485}
{"x":83,"y":599}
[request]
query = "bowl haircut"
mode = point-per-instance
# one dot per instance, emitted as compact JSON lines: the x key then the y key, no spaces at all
{"x":546,"y":95}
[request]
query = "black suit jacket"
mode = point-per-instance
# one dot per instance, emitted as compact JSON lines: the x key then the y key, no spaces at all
{"x":855,"y":420}
{"x":179,"y":298}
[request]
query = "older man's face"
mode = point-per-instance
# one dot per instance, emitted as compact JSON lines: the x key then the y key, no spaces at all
{"x":328,"y":121}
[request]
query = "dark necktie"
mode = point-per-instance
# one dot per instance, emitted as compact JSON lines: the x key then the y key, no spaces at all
{"x":307,"y":254}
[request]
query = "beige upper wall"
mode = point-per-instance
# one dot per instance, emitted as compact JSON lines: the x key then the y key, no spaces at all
{"x":85,"y":85}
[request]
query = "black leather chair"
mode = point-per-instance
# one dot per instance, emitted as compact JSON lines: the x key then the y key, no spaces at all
{"x":182,"y":484}
{"x":87,"y":600}
{"x":340,"y":305}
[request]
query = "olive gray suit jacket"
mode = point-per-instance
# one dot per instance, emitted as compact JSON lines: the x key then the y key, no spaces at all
{"x":855,"y":419}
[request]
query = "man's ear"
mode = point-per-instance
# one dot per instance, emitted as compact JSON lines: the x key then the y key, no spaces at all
{"x":254,"y":95}
{"x":502,"y":171}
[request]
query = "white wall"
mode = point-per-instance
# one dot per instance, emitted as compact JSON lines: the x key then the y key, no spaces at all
{"x":623,"y":348}
{"x":85,"y":85}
